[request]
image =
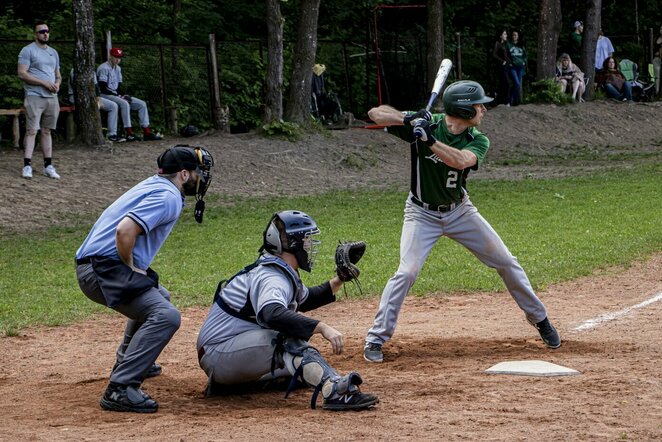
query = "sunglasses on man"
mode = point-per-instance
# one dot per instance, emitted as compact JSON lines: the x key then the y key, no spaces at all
{"x":43,"y":31}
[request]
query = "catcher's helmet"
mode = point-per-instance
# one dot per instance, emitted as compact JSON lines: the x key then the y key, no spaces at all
{"x":292,"y":231}
{"x":459,"y":99}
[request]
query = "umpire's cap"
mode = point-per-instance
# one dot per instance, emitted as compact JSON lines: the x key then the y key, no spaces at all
{"x":177,"y":158}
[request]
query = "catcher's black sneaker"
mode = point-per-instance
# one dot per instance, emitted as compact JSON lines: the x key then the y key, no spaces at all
{"x":373,"y":353}
{"x":153,"y":371}
{"x":349,"y":401}
{"x":127,"y":398}
{"x":548,"y":333}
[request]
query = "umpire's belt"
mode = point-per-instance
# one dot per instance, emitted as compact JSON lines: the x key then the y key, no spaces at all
{"x":85,"y":260}
{"x":434,"y":208}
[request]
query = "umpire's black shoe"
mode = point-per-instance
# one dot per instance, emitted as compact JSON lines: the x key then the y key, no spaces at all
{"x":548,"y":333}
{"x":152,"y":372}
{"x":127,"y":398}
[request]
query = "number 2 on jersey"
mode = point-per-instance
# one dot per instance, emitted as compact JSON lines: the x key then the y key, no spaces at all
{"x":451,"y":182}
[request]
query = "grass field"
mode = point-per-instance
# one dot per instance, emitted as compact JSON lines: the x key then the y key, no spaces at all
{"x":559,"y":229}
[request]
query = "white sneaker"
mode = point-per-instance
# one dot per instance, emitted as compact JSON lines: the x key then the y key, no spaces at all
{"x":27,"y":172}
{"x":51,"y":173}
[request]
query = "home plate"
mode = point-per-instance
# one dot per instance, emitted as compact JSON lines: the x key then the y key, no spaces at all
{"x":531,"y":368}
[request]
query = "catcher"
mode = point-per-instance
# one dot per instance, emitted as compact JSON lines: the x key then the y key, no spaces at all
{"x":254,"y":334}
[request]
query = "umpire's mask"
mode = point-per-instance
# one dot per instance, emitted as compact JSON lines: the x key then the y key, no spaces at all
{"x":185,"y":157}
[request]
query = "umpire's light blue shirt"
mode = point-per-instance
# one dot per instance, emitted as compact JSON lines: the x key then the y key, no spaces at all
{"x":155,"y":204}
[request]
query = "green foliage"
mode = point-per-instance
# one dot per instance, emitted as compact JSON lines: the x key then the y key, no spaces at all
{"x":547,"y":91}
{"x":284,"y":130}
{"x":560,"y":229}
{"x":242,"y":72}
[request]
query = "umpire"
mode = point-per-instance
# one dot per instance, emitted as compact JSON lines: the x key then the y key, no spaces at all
{"x":113,"y":269}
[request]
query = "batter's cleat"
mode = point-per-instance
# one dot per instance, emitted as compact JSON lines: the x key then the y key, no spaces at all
{"x":548,"y":334}
{"x":153,"y":371}
{"x":50,"y":172}
{"x":373,"y":353}
{"x":127,"y":398}
{"x":27,"y":172}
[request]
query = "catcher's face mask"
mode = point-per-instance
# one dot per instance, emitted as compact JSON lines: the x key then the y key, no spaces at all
{"x":310,"y":248}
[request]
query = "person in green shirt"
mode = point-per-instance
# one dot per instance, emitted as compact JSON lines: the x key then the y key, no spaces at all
{"x":444,"y":149}
{"x":576,"y":42}
{"x":517,"y":54}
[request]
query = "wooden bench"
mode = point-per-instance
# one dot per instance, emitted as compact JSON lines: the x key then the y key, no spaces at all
{"x":70,"y":124}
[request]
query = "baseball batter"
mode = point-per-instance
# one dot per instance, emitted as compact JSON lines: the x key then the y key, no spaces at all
{"x":444,"y":149}
{"x":254,"y":332}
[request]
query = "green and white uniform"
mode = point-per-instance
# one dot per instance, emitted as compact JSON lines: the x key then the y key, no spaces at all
{"x":438,"y":205}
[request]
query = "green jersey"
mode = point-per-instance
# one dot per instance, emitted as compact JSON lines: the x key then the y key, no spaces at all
{"x":432,"y":181}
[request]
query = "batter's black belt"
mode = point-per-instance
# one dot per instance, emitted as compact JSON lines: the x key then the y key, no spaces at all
{"x":435,"y":208}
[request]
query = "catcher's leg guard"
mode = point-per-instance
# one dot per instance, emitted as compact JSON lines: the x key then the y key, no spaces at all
{"x":307,"y":364}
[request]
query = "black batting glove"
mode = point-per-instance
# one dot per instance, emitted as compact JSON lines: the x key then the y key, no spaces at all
{"x":421,"y":114}
{"x":423,"y":132}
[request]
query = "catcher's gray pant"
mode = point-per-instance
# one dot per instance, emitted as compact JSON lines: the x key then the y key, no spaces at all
{"x":420,"y":231}
{"x":125,"y":109}
{"x":153,"y":321}
{"x":245,"y":358}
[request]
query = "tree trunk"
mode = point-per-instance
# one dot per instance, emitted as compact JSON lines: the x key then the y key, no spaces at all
{"x":549,"y":29}
{"x":298,"y":105}
{"x":589,"y":42}
{"x":87,"y":110}
{"x":273,"y":106}
{"x":435,"y":38}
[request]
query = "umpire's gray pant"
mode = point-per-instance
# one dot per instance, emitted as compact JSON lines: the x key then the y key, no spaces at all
{"x":153,"y":321}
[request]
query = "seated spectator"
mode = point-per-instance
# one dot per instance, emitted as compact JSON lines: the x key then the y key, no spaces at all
{"x":104,"y":105}
{"x":612,"y":80}
{"x":109,"y":75}
{"x":657,"y":61}
{"x":570,"y":78}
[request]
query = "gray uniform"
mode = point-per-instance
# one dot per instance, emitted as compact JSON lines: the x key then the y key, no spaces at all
{"x":112,"y":75}
{"x":234,"y":350}
{"x":438,"y":205}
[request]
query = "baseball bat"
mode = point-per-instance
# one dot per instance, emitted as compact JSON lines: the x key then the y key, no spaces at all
{"x":442,"y":74}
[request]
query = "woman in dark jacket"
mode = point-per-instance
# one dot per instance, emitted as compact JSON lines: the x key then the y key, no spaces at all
{"x":503,"y":63}
{"x":613,"y":81}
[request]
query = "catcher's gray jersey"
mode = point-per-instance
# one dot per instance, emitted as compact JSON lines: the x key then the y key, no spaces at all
{"x":263,"y":285}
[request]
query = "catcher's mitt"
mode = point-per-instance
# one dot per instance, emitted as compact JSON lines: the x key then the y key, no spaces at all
{"x":347,"y":255}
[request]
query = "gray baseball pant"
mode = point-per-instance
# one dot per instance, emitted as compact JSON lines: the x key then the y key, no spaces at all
{"x":153,"y":321}
{"x":420,"y":231}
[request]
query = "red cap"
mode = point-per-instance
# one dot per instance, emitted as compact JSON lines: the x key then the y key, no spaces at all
{"x":117,"y":52}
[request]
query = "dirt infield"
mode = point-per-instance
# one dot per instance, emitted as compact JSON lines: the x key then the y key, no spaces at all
{"x":431,"y":385}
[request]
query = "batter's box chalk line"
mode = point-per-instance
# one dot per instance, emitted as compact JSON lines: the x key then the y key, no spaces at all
{"x":531,"y":368}
{"x":604,"y":318}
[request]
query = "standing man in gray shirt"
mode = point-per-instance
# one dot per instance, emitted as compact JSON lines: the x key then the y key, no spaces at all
{"x":39,"y":69}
